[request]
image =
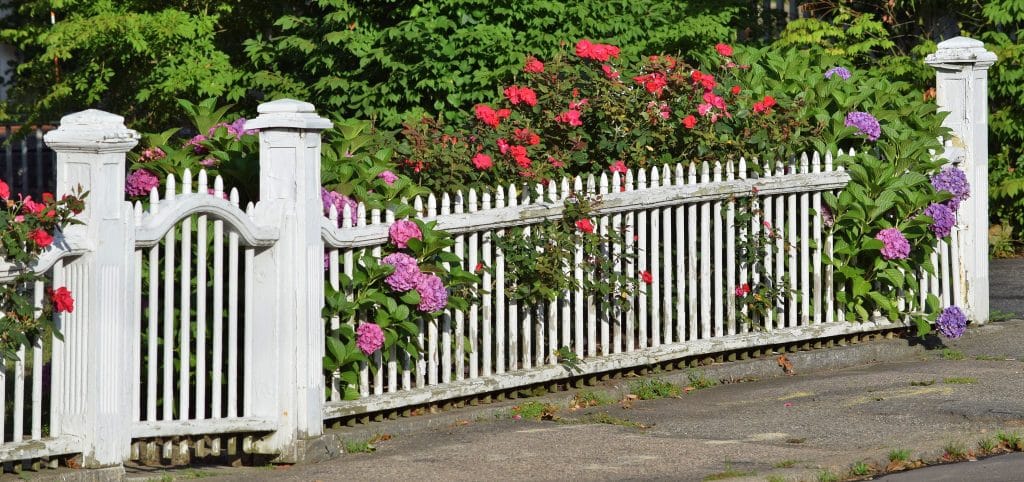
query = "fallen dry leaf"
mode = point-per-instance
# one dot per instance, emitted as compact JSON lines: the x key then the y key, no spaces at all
{"x":380,"y":438}
{"x":787,"y":366}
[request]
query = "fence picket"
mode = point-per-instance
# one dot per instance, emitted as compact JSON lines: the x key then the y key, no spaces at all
{"x":730,"y":258}
{"x":449,"y":205}
{"x":666,"y":251}
{"x":628,"y":234}
{"x":578,"y":298}
{"x":706,"y":244}
{"x":681,"y":257}
{"x":695,"y":323}
{"x":512,"y":200}
{"x":641,"y":266}
{"x":500,"y":309}
{"x":487,"y":295}
{"x":233,"y":311}
{"x":185,"y":298}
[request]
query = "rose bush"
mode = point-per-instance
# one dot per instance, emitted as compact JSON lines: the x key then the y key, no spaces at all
{"x":584,"y":110}
{"x":27,"y":228}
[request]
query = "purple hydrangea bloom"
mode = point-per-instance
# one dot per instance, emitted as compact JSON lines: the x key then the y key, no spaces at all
{"x":826,"y":215}
{"x":407,"y":272}
{"x":369,"y":337}
{"x":896,"y":245}
{"x":140,"y":182}
{"x":952,"y":322}
{"x":433,"y":295}
{"x":842,"y":72}
{"x":865,"y":123}
{"x":196,"y":143}
{"x":237,"y":128}
{"x":340,"y":203}
{"x":402,"y":231}
{"x":953,"y":181}
{"x":944,"y":219}
{"x":388,"y":177}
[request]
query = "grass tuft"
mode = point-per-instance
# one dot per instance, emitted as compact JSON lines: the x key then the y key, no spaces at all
{"x":359,"y":447}
{"x":900,"y":455}
{"x":860,"y":469}
{"x":827,"y":476}
{"x":651,"y":389}
{"x":959,"y":380}
{"x":955,"y":451}
{"x":698,"y":380}
{"x":951,"y":354}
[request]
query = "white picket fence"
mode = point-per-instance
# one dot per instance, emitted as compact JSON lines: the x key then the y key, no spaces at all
{"x":197,"y":319}
{"x":678,"y":224}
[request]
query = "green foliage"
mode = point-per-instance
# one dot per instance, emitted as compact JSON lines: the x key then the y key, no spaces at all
{"x":132,"y":58}
{"x":541,"y":260}
{"x":221,"y":148}
{"x":894,"y":38}
{"x":389,"y":59}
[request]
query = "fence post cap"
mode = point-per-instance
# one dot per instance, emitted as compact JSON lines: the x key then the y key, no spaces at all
{"x":93,"y":130}
{"x":288,"y":113}
{"x":961,"y":50}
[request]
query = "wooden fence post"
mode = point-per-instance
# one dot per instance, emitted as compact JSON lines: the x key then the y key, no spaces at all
{"x":289,"y":284}
{"x":961,"y":70}
{"x":93,"y":377}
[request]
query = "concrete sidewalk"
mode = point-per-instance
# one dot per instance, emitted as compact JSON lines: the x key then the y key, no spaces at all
{"x":842,"y":407}
{"x":798,"y":427}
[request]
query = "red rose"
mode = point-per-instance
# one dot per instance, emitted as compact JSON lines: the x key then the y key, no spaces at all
{"x":5,"y":190}
{"x":646,"y":277}
{"x":742,"y":289}
{"x":533,"y":66}
{"x":585,"y":225}
{"x":735,"y":90}
{"x":724,"y":49}
{"x":619,"y":167}
{"x":609,"y":72}
{"x":690,"y":121}
{"x":487,"y":115}
{"x":482,"y":161}
{"x":41,"y":237}
{"x":62,"y":300}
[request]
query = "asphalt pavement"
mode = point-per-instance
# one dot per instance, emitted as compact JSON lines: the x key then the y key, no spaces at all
{"x":889,"y":408}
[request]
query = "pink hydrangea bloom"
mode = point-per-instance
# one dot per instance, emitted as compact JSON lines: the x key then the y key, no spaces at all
{"x":340,"y":202}
{"x":407,"y":272}
{"x":140,"y":182}
{"x":402,"y":231}
{"x":369,"y":337}
{"x":895,"y":244}
{"x":388,"y":177}
{"x":433,"y":295}
{"x":197,"y":144}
